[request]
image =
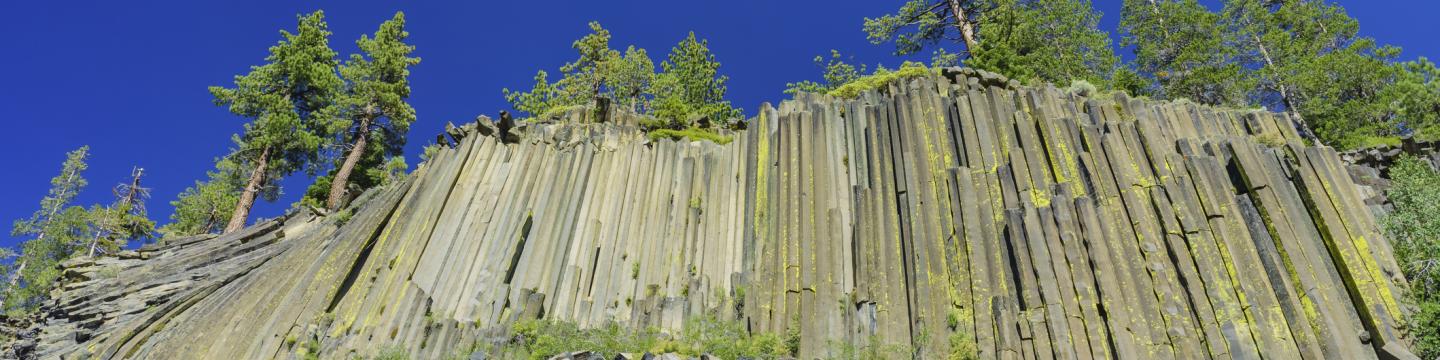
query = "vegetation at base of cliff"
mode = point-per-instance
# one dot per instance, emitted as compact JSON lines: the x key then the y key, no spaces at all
{"x":541,"y":339}
{"x":1414,"y":231}
{"x":692,"y":134}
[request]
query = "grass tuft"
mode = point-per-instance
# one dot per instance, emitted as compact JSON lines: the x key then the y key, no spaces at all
{"x":692,"y":134}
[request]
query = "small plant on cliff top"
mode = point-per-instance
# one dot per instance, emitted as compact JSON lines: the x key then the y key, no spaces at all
{"x":1271,"y":140}
{"x":692,"y":134}
{"x":880,"y":78}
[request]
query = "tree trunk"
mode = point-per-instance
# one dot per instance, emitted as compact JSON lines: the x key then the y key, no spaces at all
{"x":342,"y":175}
{"x":966,"y":26}
{"x":15,"y":278}
{"x":247,"y":196}
{"x":94,"y":243}
{"x":1285,"y":95}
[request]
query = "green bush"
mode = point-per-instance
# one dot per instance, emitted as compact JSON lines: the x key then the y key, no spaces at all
{"x":1414,"y":231}
{"x":1082,"y":88}
{"x":541,"y":339}
{"x":1270,"y":139}
{"x":393,"y":352}
{"x":881,"y":77}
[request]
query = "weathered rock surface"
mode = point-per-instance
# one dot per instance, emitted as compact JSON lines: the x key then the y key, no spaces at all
{"x":1032,"y":222}
{"x":1370,"y":168}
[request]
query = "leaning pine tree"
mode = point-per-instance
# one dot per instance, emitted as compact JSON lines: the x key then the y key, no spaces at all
{"x":58,"y":227}
{"x":374,"y":100}
{"x":290,"y":99}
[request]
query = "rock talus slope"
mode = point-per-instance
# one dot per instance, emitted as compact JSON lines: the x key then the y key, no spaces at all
{"x":1028,"y":221}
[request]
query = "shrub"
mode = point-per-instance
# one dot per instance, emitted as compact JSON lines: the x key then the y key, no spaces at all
{"x":541,"y":339}
{"x":393,"y":352}
{"x":1082,"y":88}
{"x":1365,"y":142}
{"x":1271,"y":140}
{"x":881,"y":77}
{"x":1414,"y":231}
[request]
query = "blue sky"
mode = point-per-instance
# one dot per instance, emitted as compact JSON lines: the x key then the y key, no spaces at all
{"x":129,"y":78}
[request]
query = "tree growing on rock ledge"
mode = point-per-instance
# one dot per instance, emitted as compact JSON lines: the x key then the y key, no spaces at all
{"x":373,"y":106}
{"x":1053,"y":41}
{"x":691,"y":87}
{"x":207,"y":206}
{"x":58,"y":228}
{"x":114,"y":225}
{"x":598,"y":73}
{"x":837,"y":72}
{"x":290,"y":101}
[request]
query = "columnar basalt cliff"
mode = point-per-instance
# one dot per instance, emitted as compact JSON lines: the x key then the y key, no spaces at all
{"x":957,"y":208}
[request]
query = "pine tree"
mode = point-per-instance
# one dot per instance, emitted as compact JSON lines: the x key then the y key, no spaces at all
{"x":375,"y":168}
{"x":542,"y":97}
{"x":1055,"y":41}
{"x":1181,"y":45}
{"x":628,"y":79}
{"x":125,"y":219}
{"x":1033,"y":40}
{"x":922,"y":23}
{"x":599,"y":72}
{"x":57,"y":227}
{"x":289,"y":100}
{"x":373,"y":105}
{"x":836,"y":72}
{"x":690,"y":86}
{"x":63,"y":189}
{"x":1343,"y":89}
{"x":207,"y":206}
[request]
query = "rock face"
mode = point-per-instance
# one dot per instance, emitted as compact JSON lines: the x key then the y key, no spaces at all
{"x":1370,"y":168}
{"x":934,"y":213}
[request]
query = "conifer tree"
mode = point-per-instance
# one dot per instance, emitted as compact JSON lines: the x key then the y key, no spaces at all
{"x":923,"y":23}
{"x":376,"y":168}
{"x":542,"y":96}
{"x":628,"y":78}
{"x":1034,"y":40}
{"x":1181,"y":45}
{"x":207,"y":206}
{"x":836,"y":72}
{"x":690,"y":86}
{"x":125,"y":219}
{"x":599,"y":72}
{"x":57,"y":228}
{"x":373,"y":105}
{"x":1055,"y":41}
{"x":289,"y":101}
{"x":1309,"y":59}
